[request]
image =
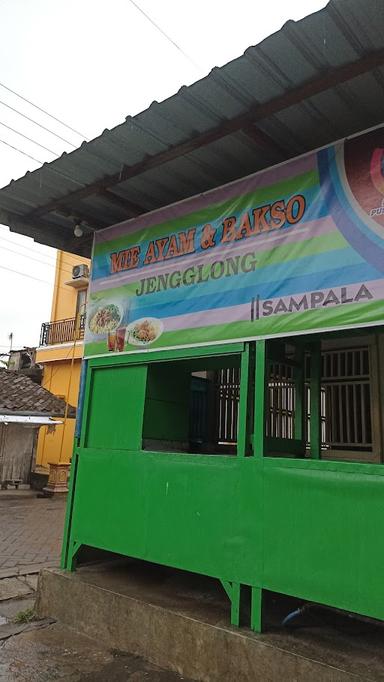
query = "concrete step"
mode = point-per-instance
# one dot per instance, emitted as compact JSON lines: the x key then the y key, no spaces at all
{"x":179,"y":622}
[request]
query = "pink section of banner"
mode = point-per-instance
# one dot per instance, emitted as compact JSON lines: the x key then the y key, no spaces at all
{"x":243,"y":312}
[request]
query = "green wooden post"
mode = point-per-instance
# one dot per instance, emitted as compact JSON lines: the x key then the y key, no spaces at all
{"x":235,"y":605}
{"x":233,"y":592}
{"x":242,"y":436}
{"x":259,"y":400}
{"x":315,"y":405}
{"x":256,"y":609}
{"x":299,"y":379}
{"x":245,"y":420}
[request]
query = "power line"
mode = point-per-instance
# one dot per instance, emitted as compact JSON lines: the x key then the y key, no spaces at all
{"x":37,"y":279}
{"x":43,"y":111}
{"x":163,"y":33}
{"x":51,"y":169}
{"x":48,"y":255}
{"x":23,"y":246}
{"x":38,"y":260}
{"x":28,"y":138}
{"x":28,"y":248}
{"x":24,"y":274}
{"x":38,"y":124}
{"x":21,"y":152}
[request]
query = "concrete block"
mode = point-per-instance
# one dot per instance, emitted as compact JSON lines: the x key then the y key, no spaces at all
{"x":181,"y":641}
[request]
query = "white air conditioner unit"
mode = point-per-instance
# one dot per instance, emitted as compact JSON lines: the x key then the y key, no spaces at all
{"x":81,"y":270}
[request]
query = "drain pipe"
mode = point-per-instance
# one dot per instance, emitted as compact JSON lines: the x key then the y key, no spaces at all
{"x":294,"y":614}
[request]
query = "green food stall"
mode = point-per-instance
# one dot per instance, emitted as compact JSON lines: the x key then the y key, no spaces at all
{"x":231,"y":404}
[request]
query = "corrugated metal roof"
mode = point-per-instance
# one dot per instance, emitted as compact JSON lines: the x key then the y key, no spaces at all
{"x":46,"y":202}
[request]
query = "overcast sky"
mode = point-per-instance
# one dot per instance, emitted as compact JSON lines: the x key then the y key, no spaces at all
{"x":91,"y":63}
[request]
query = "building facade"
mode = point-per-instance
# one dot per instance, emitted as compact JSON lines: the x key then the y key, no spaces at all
{"x":60,"y":352}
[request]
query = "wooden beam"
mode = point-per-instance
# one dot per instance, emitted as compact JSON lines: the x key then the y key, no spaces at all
{"x":48,"y":233}
{"x":82,"y":246}
{"x":79,"y":216}
{"x":327,"y":79}
{"x":125,"y":204}
{"x":264,"y":140}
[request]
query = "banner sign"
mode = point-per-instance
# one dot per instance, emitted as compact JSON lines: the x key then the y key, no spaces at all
{"x":295,"y":248}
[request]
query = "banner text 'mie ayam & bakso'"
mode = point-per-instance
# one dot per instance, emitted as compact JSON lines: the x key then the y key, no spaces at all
{"x":258,"y":220}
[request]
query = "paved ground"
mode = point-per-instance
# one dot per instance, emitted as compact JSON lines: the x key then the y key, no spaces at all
{"x":43,"y":651}
{"x":30,"y":532}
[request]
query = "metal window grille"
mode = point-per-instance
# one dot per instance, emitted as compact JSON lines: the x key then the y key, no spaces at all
{"x":281,"y":401}
{"x":227,"y":388}
{"x":345,"y":400}
{"x":346,"y":422}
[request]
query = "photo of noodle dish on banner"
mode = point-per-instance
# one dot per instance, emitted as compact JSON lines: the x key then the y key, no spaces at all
{"x":296,"y":248}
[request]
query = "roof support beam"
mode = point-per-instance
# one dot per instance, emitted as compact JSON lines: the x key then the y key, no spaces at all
{"x":46,"y":232}
{"x":125,"y":204}
{"x":323,"y":81}
{"x":264,"y":140}
{"x":80,"y":217}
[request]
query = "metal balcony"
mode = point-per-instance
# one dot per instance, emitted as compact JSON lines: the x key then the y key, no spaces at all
{"x":62,"y":331}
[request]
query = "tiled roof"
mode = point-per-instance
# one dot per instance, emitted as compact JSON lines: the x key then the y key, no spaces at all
{"x":18,"y":393}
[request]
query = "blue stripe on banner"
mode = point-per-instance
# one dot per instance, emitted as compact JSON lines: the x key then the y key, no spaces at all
{"x":270,"y":273}
{"x":357,"y":233}
{"x":327,"y":279}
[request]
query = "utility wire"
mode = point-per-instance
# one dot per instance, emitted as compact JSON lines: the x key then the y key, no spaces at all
{"x":24,"y":274}
{"x":44,"y":111}
{"x":10,"y":241}
{"x":165,"y":35}
{"x":37,"y":279}
{"x":50,"y":168}
{"x":38,"y":260}
{"x":28,"y":248}
{"x":38,"y":124}
{"x":28,"y":138}
{"x":20,"y":151}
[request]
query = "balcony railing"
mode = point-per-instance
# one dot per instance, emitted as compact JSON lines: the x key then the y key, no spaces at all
{"x":62,"y":331}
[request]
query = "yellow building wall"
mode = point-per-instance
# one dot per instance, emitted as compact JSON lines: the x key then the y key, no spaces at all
{"x":64,"y":296}
{"x":57,"y":446}
{"x":57,"y":362}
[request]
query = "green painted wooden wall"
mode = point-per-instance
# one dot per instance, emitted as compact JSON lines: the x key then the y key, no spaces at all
{"x":303,"y":527}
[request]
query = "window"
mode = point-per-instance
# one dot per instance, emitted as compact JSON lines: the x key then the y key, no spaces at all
{"x":348,"y":392}
{"x":81,"y":302}
{"x":281,"y":401}
{"x":192,"y":406}
{"x":284,"y":428}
